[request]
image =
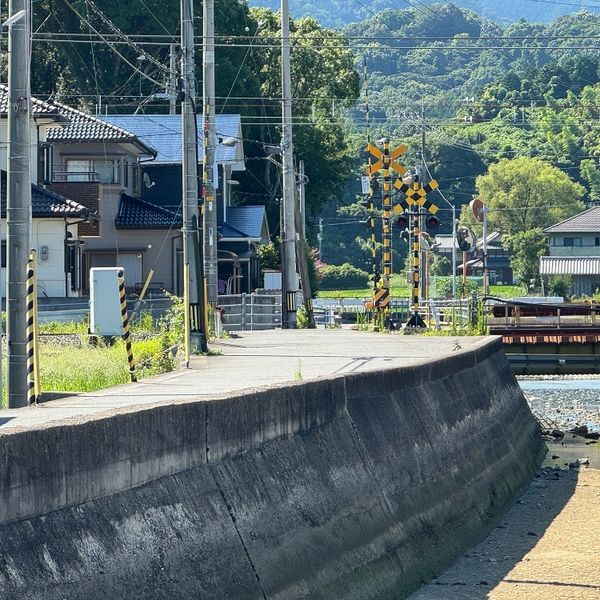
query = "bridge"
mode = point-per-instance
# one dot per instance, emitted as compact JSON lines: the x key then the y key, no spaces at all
{"x":548,"y":338}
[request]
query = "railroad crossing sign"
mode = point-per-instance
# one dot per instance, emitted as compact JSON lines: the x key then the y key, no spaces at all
{"x":381,"y":159}
{"x":416,"y":194}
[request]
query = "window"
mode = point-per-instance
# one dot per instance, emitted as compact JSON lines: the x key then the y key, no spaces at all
{"x":102,"y":170}
{"x":3,"y":254}
{"x":597,"y":241}
{"x":572,"y":241}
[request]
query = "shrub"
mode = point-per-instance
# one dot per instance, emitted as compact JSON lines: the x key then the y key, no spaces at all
{"x":343,"y":277}
{"x":559,"y":285}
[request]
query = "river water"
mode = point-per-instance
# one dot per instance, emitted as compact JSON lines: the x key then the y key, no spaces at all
{"x":564,"y":404}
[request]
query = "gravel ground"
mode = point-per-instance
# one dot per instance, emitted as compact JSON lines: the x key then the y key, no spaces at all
{"x":544,"y":548}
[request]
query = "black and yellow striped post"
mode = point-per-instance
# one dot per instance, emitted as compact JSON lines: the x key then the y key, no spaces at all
{"x":386,"y":162}
{"x":416,"y":198}
{"x":126,"y":332}
{"x":33,"y":365}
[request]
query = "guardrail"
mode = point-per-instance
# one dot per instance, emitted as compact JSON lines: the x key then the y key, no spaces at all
{"x":250,"y":312}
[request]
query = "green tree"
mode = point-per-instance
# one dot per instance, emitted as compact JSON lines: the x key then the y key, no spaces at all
{"x":525,"y":248}
{"x":524,"y":193}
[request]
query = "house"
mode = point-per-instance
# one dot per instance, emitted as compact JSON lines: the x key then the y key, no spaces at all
{"x":57,"y":220}
{"x":574,"y":250}
{"x":498,"y":259}
{"x":241,"y":229}
{"x":134,"y":191}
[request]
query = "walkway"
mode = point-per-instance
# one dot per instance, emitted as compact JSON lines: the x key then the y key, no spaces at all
{"x":544,"y":548}
{"x":254,"y":359}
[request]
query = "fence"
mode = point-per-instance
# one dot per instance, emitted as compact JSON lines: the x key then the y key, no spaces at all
{"x":250,"y":312}
{"x":437,"y":313}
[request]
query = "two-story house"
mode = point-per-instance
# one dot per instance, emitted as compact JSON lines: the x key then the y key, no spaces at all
{"x":241,"y":229}
{"x":574,"y":250}
{"x":56,"y":219}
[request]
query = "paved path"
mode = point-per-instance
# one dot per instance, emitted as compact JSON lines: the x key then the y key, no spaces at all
{"x":544,"y":549}
{"x":254,"y":359}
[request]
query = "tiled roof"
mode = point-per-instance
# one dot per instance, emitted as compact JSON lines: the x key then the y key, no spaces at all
{"x":228,"y":232}
{"x":163,"y":132}
{"x":45,"y":203}
{"x":86,"y":128}
{"x":38,"y":107}
{"x":81,"y":127}
{"x":587,"y":221}
{"x":570,"y":265}
{"x":247,"y":219}
{"x":135,"y":213}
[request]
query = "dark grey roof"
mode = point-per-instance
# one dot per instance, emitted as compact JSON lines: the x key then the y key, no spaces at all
{"x":250,"y":220}
{"x":135,"y":213}
{"x":587,"y":221}
{"x":46,"y":203}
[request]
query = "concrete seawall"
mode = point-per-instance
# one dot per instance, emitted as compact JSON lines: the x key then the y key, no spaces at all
{"x":355,"y":487}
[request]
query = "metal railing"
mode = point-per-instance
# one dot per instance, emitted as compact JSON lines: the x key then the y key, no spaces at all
{"x":250,"y":312}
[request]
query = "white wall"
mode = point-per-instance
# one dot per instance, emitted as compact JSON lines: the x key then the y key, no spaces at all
{"x":50,"y":273}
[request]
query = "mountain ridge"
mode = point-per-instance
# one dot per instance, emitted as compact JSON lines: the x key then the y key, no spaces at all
{"x":339,"y":13}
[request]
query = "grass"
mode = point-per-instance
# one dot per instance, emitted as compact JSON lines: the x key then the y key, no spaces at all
{"x":501,"y":291}
{"x":89,"y":368}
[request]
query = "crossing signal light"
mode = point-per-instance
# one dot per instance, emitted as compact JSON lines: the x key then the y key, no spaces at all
{"x":405,"y":235}
{"x":376,"y":277}
{"x":432,"y":222}
{"x":402,"y":221}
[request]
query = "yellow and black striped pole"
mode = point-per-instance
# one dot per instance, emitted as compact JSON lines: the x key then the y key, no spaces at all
{"x":126,"y":332}
{"x":33,"y":372}
{"x":384,"y":303}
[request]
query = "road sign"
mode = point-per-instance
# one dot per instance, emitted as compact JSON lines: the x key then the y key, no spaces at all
{"x":416,"y":194}
{"x":476,"y":206}
{"x":382,"y":159}
{"x":366,"y":184}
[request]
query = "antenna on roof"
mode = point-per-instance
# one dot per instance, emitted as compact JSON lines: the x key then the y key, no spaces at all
{"x":148,"y":183}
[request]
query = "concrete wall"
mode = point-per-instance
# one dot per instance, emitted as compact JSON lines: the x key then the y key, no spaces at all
{"x":358,"y":487}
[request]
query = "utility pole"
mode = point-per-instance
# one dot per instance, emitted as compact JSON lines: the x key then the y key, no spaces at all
{"x":19,"y":199}
{"x":302,"y":197}
{"x":192,"y":248}
{"x":486,"y":282}
{"x":210,"y":142}
{"x":172,"y":91}
{"x":288,"y":228}
{"x":301,"y":251}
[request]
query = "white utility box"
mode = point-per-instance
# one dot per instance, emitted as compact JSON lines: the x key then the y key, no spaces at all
{"x":105,"y":302}
{"x":272,"y":279}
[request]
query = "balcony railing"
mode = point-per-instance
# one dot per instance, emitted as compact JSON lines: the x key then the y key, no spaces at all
{"x":79,"y":176}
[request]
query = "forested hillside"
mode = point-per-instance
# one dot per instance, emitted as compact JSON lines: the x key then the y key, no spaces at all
{"x":337,"y":13}
{"x":481,"y":93}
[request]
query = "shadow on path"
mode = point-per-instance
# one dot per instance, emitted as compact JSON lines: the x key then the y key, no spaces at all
{"x":483,"y":567}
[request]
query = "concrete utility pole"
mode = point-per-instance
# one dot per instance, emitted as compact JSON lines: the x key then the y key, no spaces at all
{"x":192,"y":249}
{"x":288,"y":228}
{"x":210,"y":143}
{"x":301,"y":251}
{"x":302,"y":196}
{"x":19,"y":199}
